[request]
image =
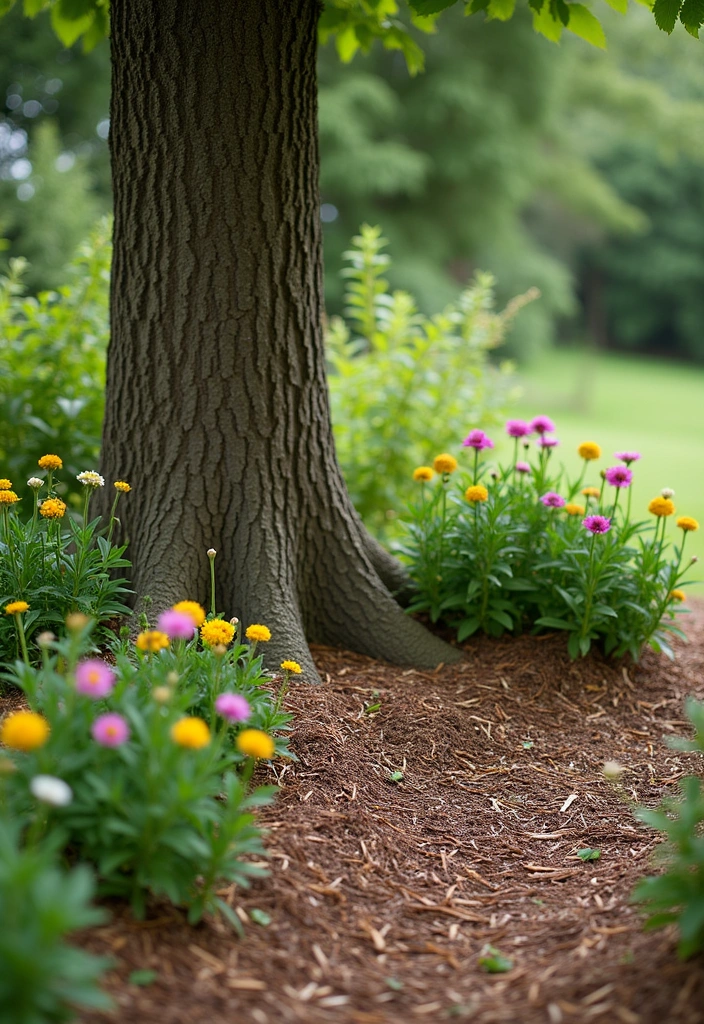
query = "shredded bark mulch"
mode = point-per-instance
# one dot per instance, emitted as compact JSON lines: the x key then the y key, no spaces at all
{"x":382,"y":894}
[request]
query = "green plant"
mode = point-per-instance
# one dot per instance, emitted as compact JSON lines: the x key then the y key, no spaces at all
{"x":677,"y":895}
{"x":42,"y":978}
{"x":400,"y":377}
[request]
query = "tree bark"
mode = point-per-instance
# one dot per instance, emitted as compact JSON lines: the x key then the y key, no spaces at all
{"x":217,"y":405}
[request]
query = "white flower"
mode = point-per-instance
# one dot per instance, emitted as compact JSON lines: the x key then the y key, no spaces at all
{"x":51,"y":790}
{"x":211,"y":552}
{"x":35,"y":483}
{"x":667,"y":492}
{"x":91,"y":479}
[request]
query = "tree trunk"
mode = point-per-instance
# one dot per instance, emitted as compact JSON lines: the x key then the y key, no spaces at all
{"x":217,"y":405}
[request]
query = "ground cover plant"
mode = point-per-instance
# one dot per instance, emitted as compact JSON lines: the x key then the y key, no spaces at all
{"x":532,"y":545}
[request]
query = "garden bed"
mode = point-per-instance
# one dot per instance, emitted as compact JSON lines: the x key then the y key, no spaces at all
{"x":383,"y":894}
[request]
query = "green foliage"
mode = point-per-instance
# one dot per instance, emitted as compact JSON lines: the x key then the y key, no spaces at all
{"x":398,"y":376}
{"x":43,"y":978}
{"x":52,"y":364}
{"x":511,"y":549}
{"x":677,"y":895}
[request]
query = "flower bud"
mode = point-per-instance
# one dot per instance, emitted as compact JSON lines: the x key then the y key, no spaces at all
{"x":172,"y":678}
{"x":612,"y":770}
{"x":161,"y":694}
{"x":667,"y":492}
{"x":694,"y":559}
{"x":234,"y":621}
{"x":76,"y":621}
{"x":211,"y":552}
{"x":46,"y":638}
{"x":219,"y":650}
{"x":35,"y":483}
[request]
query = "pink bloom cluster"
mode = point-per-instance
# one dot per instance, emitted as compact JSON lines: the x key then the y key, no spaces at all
{"x":110,"y":730}
{"x":477,"y":439}
{"x":233,"y":706}
{"x":176,"y":625}
{"x":517,"y":428}
{"x":597,"y":524}
{"x":627,"y":457}
{"x":553,"y":500}
{"x":523,"y":467}
{"x":619,"y":476}
{"x":94,"y":678}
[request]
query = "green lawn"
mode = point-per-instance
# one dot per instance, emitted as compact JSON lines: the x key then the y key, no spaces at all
{"x":622,"y":402}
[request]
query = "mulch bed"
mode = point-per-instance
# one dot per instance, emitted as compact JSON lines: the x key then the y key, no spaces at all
{"x":382,"y":895}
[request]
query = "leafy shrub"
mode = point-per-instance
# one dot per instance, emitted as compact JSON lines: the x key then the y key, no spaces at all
{"x":154,"y":767}
{"x":400,"y":377}
{"x":55,"y":562}
{"x":677,"y":895}
{"x":42,"y":977}
{"x":523,"y":546}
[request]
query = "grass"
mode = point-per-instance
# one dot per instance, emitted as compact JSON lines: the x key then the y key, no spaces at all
{"x":628,"y":402}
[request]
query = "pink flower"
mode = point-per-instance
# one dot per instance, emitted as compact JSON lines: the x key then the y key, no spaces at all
{"x":517,"y":428}
{"x":627,"y":457}
{"x":597,"y":524}
{"x":618,"y":476}
{"x":110,"y":730}
{"x":477,"y":439}
{"x":522,"y":467}
{"x":542,"y":425}
{"x":553,"y":500}
{"x":94,"y":678}
{"x":176,"y":625}
{"x":548,"y":442}
{"x":233,"y":706}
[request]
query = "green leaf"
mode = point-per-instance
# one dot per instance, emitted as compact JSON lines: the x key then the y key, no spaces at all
{"x":143,"y":977}
{"x":546,"y":25}
{"x":371,"y":709}
{"x":528,"y":744}
{"x":33,"y":7}
{"x":69,"y":29}
{"x":692,"y":16}
{"x":665,"y":13}
{"x":618,"y":5}
{"x":493,"y":961}
{"x":347,"y":44}
{"x":583,"y":24}
{"x":588,"y":854}
{"x":396,"y":777}
{"x":552,"y":623}
{"x":426,"y":7}
{"x":501,"y":10}
{"x":260,"y":917}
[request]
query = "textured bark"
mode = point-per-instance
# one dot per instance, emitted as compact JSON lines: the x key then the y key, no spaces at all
{"x":217,"y":404}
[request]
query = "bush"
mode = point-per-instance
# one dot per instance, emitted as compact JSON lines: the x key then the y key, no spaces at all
{"x":523,"y":546}
{"x":399,"y":377}
{"x":41,"y":977}
{"x":677,"y":895}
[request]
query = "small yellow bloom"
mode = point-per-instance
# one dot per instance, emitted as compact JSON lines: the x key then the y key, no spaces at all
{"x":192,"y":608}
{"x":255,"y":633}
{"x":152,"y":640}
{"x":25,"y":730}
{"x":591,"y":492}
{"x":217,"y":631}
{"x":589,"y":450}
{"x":16,"y":608}
{"x":5,"y":484}
{"x":445,"y":463}
{"x":661,"y":507}
{"x":687,"y":524}
{"x":255,"y":743}
{"x":475,"y":493}
{"x":423,"y":473}
{"x":190,"y":732}
{"x":120,"y":485}
{"x":291,"y":666}
{"x":8,"y":498}
{"x":574,"y":510}
{"x":678,"y":595}
{"x":50,"y":462}
{"x":53,"y":508}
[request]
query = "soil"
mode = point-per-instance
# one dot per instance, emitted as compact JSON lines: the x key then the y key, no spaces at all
{"x":382,"y":894}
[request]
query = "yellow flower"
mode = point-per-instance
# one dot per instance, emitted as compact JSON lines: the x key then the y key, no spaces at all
{"x":445,"y":463}
{"x":53,"y":508}
{"x":191,"y":732}
{"x":256,"y":632}
{"x":120,"y":485}
{"x":50,"y":462}
{"x":686,"y":523}
{"x":591,"y":492}
{"x":5,"y":484}
{"x":217,"y":631}
{"x":16,"y":607}
{"x":589,"y":451}
{"x":291,"y":666}
{"x":423,"y":473}
{"x":193,"y":609}
{"x":8,"y":498}
{"x":678,"y":595}
{"x":475,"y":493}
{"x":25,"y":730}
{"x":661,"y":507}
{"x":255,"y":743}
{"x":152,"y":640}
{"x":574,"y":510}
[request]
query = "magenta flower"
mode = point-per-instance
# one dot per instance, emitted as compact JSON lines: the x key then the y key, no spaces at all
{"x":553,"y":500}
{"x":233,"y":706}
{"x":517,"y":428}
{"x":597,"y":524}
{"x":94,"y":678}
{"x":110,"y":730}
{"x":477,"y":439}
{"x":176,"y":625}
{"x":542,"y":425}
{"x":618,"y":476}
{"x":627,"y":457}
{"x":548,"y":442}
{"x":522,"y":467}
